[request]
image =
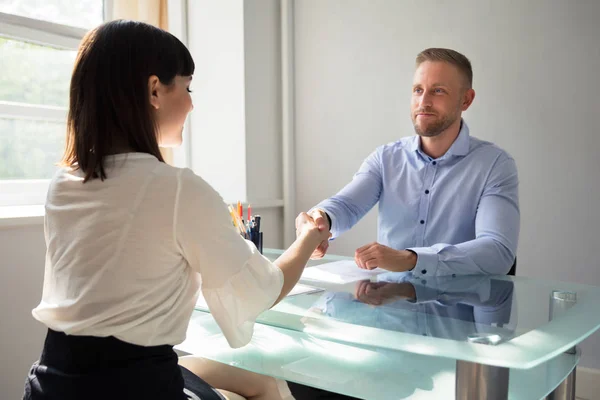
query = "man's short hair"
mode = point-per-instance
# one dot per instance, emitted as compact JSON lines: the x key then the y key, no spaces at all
{"x":450,"y":56}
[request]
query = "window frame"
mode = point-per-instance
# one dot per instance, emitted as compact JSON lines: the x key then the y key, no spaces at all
{"x":60,"y":36}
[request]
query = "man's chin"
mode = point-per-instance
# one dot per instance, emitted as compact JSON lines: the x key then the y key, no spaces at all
{"x":426,"y":131}
{"x":428,"y":134}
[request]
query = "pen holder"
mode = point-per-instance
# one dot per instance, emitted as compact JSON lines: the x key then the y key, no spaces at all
{"x":258,"y":242}
{"x":253,"y":233}
{"x":250,"y":229}
{"x":256,"y":238}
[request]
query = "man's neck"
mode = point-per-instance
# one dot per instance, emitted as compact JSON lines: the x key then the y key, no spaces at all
{"x":437,"y":146}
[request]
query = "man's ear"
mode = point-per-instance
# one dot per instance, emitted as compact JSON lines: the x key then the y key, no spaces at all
{"x":153,"y":87}
{"x":468,"y":98}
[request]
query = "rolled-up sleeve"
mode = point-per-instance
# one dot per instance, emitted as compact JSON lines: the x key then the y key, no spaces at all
{"x":238,"y":283}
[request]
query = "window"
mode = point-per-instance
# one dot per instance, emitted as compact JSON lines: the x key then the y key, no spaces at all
{"x":81,"y":13}
{"x":38,"y":43}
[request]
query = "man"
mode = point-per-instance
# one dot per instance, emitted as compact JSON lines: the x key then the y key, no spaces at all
{"x":448,"y":202}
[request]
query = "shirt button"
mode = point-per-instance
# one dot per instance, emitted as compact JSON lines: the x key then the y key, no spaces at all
{"x":424,"y":271}
{"x":422,"y":222}
{"x":427,"y":192}
{"x":434,"y":163}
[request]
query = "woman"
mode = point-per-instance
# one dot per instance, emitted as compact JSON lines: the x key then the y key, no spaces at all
{"x":131,"y":240}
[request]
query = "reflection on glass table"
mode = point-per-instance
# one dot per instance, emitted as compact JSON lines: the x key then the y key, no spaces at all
{"x":479,"y":310}
{"x":489,"y":326}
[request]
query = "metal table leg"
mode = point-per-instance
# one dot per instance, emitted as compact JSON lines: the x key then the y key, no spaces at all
{"x":481,"y":382}
{"x":566,"y":389}
{"x":560,"y":303}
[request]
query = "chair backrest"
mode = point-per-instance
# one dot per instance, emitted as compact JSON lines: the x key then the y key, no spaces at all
{"x":513,"y":269}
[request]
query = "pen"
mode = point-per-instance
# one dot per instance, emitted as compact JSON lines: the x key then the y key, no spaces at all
{"x":241,"y":225}
{"x":249,"y":230}
{"x":257,"y":222}
{"x":236,"y":221}
{"x":257,"y":225}
{"x":230,"y":208}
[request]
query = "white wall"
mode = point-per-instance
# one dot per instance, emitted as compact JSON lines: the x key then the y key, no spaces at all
{"x":21,"y":275}
{"x":535,"y":72}
{"x":235,"y":128}
{"x":217,"y":123}
{"x":263,"y":99}
{"x":262,"y":56}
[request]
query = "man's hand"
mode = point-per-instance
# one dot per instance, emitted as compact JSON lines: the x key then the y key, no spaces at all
{"x":379,"y":293}
{"x":306,"y":225}
{"x":320,"y":220}
{"x":376,"y":255}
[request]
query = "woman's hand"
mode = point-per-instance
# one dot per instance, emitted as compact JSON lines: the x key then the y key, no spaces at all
{"x":306,"y":227}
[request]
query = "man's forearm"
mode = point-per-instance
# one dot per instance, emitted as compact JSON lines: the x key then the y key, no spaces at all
{"x":475,"y":257}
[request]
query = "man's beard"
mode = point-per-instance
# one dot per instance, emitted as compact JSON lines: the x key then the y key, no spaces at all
{"x":434,"y":128}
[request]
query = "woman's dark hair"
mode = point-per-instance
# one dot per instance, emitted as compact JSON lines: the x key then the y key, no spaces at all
{"x":109,"y":104}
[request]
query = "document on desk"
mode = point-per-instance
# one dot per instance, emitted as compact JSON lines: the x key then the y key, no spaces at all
{"x":303,"y":289}
{"x":339,"y":272}
{"x":298,"y":289}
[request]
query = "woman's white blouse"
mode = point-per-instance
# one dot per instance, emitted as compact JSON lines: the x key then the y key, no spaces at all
{"x":126,"y":256}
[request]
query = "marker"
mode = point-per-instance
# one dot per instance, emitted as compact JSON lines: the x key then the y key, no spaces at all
{"x":257,"y":222}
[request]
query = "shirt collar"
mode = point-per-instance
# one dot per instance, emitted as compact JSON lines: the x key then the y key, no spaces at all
{"x":129,"y":156}
{"x":460,"y":147}
{"x":415,"y":144}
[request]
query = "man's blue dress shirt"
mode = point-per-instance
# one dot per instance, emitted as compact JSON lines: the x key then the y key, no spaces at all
{"x":459,"y":213}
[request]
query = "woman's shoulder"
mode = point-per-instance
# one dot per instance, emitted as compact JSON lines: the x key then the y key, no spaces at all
{"x":194,"y":185}
{"x":184,"y":182}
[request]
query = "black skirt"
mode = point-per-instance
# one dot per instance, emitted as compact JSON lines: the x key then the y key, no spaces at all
{"x":95,"y":368}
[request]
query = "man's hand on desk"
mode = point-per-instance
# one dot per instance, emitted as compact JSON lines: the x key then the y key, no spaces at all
{"x":379,"y":293}
{"x":376,"y":255}
{"x":320,"y":219}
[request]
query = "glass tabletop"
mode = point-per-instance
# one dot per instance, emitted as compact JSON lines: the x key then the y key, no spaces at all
{"x":362,"y":372}
{"x":512,"y":322}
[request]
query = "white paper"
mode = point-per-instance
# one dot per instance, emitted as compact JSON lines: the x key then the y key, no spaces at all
{"x":339,"y":272}
{"x":300,"y":288}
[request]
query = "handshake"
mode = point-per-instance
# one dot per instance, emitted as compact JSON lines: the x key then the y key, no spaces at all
{"x":315,"y":223}
{"x":369,"y":256}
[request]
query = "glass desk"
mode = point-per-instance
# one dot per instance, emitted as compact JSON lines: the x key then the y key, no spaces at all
{"x":394,"y":337}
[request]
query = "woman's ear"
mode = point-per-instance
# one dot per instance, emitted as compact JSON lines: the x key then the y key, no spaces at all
{"x":153,"y":87}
